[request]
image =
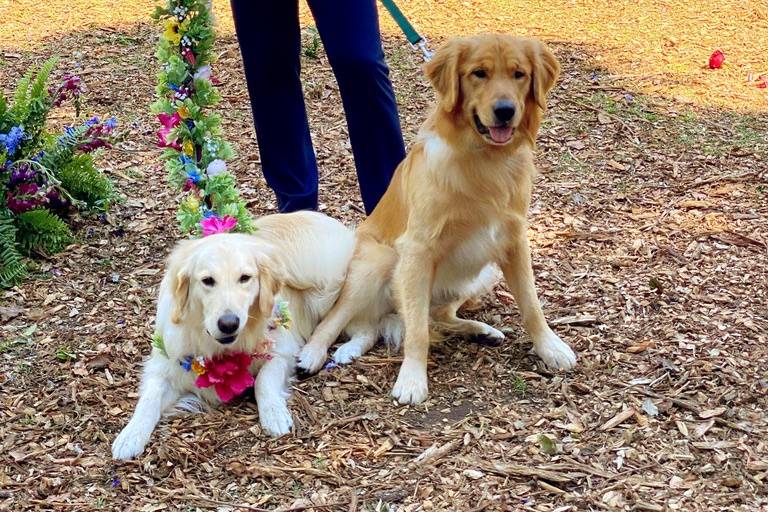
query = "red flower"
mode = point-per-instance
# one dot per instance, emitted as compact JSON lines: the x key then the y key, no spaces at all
{"x":228,"y":373}
{"x":189,"y":56}
{"x":762,"y":82}
{"x":716,"y":59}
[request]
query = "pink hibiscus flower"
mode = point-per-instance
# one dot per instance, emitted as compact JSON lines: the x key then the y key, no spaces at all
{"x":214,"y":224}
{"x":228,"y":373}
{"x":169,"y":122}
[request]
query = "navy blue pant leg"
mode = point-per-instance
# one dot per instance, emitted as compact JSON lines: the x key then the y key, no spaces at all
{"x":350,"y":33}
{"x":270,"y":42}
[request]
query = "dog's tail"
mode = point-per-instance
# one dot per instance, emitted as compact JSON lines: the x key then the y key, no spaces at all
{"x":392,"y":331}
{"x":189,"y":404}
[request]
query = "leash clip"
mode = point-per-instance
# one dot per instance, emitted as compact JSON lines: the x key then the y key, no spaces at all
{"x":422,"y":45}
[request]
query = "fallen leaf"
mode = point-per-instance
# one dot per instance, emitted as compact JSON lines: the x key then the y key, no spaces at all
{"x":547,"y":445}
{"x":9,"y":313}
{"x":650,"y":408}
{"x":711,"y":413}
{"x":640,"y":347}
{"x":618,"y":419}
{"x":473,"y":474}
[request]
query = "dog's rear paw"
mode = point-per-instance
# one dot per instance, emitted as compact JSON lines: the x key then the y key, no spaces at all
{"x":353,"y":349}
{"x":555,"y":352}
{"x":347,"y":353}
{"x":411,"y":386}
{"x":490,"y":338}
{"x":275,"y":419}
{"x":128,"y":444}
{"x":311,"y":358}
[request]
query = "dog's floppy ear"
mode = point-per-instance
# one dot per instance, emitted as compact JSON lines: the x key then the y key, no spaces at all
{"x":546,"y":69}
{"x":270,"y":281}
{"x":443,"y":73}
{"x":178,"y":275}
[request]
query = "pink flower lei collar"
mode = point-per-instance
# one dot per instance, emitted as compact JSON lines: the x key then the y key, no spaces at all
{"x":229,"y":373}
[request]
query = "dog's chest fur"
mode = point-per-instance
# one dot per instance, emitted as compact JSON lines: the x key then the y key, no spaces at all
{"x":475,"y":201}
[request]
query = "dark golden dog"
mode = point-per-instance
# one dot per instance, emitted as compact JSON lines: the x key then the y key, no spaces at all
{"x":455,"y":210}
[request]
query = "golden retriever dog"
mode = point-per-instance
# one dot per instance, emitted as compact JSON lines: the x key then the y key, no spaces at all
{"x":218,"y":296}
{"x":454,"y":212}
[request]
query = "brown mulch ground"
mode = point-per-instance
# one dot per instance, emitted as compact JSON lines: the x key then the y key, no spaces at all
{"x":650,"y":238}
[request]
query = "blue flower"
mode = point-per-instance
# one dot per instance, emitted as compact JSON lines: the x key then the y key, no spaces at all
{"x":186,"y":363}
{"x":194,"y":176}
{"x":209,"y":213}
{"x":111,"y":123}
{"x":12,"y":139}
{"x":92,"y":121}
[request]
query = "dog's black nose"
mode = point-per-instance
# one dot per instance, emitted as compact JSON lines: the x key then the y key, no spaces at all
{"x":228,"y":323}
{"x":504,"y":110}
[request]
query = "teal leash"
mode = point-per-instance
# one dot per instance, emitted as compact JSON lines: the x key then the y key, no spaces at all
{"x":417,"y":42}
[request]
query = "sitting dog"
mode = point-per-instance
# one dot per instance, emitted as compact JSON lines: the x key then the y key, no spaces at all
{"x":456,"y":208}
{"x":223,"y":313}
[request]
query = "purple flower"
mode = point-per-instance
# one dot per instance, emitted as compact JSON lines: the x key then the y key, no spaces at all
{"x":69,"y":86}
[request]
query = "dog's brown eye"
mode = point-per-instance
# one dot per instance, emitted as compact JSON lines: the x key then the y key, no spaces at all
{"x":209,"y":281}
{"x":519,"y":74}
{"x":245,"y":278}
{"x":480,"y":73}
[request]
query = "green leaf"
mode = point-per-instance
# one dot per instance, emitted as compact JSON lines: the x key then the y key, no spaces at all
{"x":547,"y":445}
{"x":159,"y":344}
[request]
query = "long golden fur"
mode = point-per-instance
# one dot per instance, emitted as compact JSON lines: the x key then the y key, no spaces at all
{"x":456,"y":208}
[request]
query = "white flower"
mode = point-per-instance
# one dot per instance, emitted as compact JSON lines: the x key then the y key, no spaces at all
{"x":203,"y":72}
{"x":216,"y":167}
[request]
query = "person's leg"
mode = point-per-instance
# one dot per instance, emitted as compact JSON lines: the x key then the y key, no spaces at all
{"x":270,"y":41}
{"x":349,"y":30}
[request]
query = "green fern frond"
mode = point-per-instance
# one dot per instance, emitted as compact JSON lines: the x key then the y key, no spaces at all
{"x":60,"y":152}
{"x":20,"y":108}
{"x":12,"y":267}
{"x":39,"y":90}
{"x":43,"y":232}
{"x":85,"y":182}
{"x":5,"y":122}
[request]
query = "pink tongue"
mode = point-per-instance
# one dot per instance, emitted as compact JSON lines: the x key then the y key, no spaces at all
{"x":501,"y":135}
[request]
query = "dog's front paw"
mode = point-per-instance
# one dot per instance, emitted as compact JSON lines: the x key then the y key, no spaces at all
{"x":489,"y":336}
{"x":554,"y":352}
{"x":311,"y":358}
{"x":275,"y":418}
{"x":128,"y":444}
{"x":411,"y":385}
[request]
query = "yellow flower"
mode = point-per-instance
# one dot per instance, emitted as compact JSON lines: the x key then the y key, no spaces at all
{"x":198,"y":367}
{"x":188,"y":148}
{"x":184,"y":112}
{"x":193,"y":203}
{"x":172,"y":33}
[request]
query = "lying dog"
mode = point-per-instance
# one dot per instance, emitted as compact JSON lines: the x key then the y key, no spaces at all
{"x":456,"y":208}
{"x":233,"y":294}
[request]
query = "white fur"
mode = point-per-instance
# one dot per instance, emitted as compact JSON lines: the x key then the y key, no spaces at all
{"x":313,"y":252}
{"x":554,"y":351}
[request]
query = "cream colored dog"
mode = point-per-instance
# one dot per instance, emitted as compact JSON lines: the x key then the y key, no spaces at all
{"x":455,"y":209}
{"x":218,"y":295}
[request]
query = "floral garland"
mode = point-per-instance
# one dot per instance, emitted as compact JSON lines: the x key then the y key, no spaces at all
{"x":195,"y":154}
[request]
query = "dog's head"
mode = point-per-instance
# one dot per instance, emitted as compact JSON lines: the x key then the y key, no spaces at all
{"x":497,"y":84}
{"x":222,"y":281}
